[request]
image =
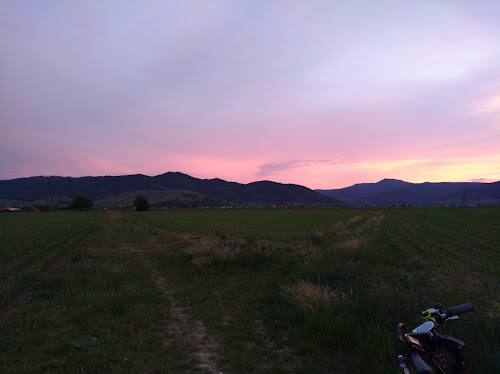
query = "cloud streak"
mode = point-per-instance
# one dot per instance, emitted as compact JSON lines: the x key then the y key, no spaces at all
{"x":273,"y":168}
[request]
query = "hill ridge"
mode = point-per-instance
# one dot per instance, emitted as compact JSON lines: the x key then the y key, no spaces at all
{"x":28,"y":190}
{"x":388,"y":192}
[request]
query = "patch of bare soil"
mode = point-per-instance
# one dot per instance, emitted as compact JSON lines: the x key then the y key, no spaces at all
{"x":184,"y":327}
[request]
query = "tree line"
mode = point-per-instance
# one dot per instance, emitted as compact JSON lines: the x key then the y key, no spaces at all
{"x":80,"y":202}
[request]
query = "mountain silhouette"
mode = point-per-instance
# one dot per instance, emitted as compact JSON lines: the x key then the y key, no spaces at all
{"x":215,"y":191}
{"x":389,"y":192}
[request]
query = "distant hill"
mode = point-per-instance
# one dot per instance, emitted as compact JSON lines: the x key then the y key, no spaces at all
{"x":389,"y":192}
{"x":160,"y":198}
{"x":213,"y":192}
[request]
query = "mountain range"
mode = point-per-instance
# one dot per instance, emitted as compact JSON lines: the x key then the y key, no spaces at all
{"x":181,"y":190}
{"x":390,"y":192}
{"x":169,"y":189}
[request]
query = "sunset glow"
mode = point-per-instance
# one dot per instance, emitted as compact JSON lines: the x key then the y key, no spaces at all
{"x":321,"y":94}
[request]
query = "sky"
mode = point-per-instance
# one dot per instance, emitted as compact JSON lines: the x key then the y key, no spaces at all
{"x":321,"y":93}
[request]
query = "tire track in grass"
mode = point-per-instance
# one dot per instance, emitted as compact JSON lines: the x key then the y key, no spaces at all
{"x":42,"y":257}
{"x":39,"y":261}
{"x":35,"y":285}
{"x":31,"y":290}
{"x":182,"y":326}
{"x":15,"y":259}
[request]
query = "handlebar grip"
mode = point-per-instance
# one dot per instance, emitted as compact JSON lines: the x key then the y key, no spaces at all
{"x":419,"y":364}
{"x":459,"y":309}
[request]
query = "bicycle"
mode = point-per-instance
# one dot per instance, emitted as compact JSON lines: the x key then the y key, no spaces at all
{"x":424,"y":341}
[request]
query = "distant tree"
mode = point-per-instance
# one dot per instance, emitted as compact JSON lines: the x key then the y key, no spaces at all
{"x":81,"y":202}
{"x":141,"y":204}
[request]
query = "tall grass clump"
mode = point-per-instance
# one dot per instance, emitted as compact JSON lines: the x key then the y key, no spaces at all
{"x":217,"y":255}
{"x":340,"y":229}
{"x":378,"y":219}
{"x":310,"y":297}
{"x":211,"y":251}
{"x":354,"y":220}
{"x":351,"y":242}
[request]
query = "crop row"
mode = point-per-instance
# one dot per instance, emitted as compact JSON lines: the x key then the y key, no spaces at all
{"x":32,"y":242}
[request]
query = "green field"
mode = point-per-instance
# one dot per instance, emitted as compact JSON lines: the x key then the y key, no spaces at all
{"x":241,"y":290}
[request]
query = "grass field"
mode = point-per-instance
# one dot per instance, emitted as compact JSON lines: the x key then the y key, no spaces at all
{"x":29,"y":244}
{"x":241,"y":290}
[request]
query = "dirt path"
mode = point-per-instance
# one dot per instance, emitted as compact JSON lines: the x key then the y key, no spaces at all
{"x":182,"y":326}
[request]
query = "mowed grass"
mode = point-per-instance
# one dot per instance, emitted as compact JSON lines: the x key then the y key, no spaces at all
{"x":278,"y":290}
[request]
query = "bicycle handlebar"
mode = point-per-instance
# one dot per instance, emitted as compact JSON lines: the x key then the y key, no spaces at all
{"x":459,"y":309}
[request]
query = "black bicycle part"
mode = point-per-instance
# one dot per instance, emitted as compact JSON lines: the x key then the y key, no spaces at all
{"x":419,"y":364}
{"x":455,"y":347}
{"x":437,"y":349}
{"x":459,"y":309}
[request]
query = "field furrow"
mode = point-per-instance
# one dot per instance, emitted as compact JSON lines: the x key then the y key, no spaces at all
{"x":434,"y":232}
{"x":30,"y":251}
